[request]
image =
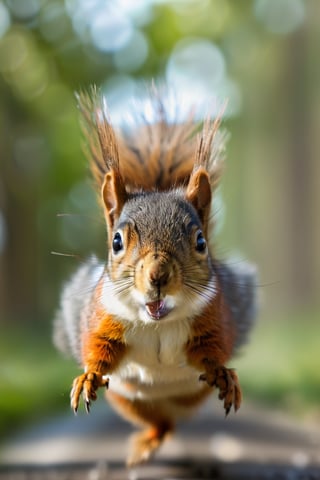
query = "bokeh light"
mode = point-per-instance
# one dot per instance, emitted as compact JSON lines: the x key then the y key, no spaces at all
{"x":119,"y":91}
{"x":24,"y":10}
{"x":280,"y":16}
{"x":5,"y":20}
{"x":133,"y":55}
{"x":197,"y":71}
{"x":110,"y":31}
{"x":108,"y":27}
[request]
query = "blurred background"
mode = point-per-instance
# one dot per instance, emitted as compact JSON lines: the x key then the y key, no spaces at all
{"x":263,"y":55}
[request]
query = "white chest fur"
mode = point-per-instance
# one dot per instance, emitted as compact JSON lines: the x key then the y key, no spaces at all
{"x":155,"y":365}
{"x":159,"y":343}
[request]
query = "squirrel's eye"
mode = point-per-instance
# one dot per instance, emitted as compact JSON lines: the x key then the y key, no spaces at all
{"x":201,"y":243}
{"x":117,"y":243}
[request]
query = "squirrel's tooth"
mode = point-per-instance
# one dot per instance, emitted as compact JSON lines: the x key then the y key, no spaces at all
{"x":156,"y":309}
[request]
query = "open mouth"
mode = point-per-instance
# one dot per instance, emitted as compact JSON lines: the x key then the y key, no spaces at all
{"x":157,"y":309}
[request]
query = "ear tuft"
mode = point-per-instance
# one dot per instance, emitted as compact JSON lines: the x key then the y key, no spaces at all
{"x":114,"y":196}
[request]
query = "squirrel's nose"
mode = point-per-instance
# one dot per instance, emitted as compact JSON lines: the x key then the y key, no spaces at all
{"x":159,"y":274}
{"x":158,"y":278}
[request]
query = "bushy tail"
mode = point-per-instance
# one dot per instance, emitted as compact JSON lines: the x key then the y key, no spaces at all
{"x":154,"y":155}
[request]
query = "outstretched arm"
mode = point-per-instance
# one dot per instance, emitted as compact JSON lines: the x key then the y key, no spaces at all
{"x":211,"y":346}
{"x":102,"y":350}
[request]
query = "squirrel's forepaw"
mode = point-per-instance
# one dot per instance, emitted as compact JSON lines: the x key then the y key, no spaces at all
{"x":87,"y":384}
{"x":226,"y":380}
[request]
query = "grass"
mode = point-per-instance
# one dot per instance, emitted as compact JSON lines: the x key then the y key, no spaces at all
{"x":279,"y":367}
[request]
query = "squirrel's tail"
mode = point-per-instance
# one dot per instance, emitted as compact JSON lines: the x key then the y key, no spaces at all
{"x":155,"y":154}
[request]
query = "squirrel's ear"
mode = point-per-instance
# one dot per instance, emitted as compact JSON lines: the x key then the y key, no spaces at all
{"x":199,"y":194}
{"x":114,"y":196}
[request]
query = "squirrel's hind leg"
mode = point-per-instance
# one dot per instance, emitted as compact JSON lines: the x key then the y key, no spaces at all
{"x":142,"y":444}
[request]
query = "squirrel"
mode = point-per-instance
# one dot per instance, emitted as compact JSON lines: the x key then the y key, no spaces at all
{"x":157,"y":323}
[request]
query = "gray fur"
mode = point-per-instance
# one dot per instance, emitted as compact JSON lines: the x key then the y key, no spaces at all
{"x":238,"y":282}
{"x":74,"y":304}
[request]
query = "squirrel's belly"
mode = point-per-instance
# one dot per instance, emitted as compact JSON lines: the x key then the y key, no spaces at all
{"x":136,"y":381}
{"x":155,"y":365}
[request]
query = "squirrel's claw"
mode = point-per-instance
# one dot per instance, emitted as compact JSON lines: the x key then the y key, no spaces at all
{"x":226,"y":380}
{"x":86,"y":384}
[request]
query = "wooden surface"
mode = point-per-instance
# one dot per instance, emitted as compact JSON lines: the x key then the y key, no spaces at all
{"x":253,"y":444}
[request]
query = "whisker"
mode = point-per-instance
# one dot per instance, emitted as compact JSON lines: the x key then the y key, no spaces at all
{"x":93,"y":218}
{"x":83,"y":291}
{"x":62,"y":254}
{"x":120,"y":286}
{"x":198,"y":289}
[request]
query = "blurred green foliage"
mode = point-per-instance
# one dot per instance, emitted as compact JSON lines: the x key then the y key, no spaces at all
{"x":279,"y":367}
{"x":262,"y":54}
{"x":32,"y":388}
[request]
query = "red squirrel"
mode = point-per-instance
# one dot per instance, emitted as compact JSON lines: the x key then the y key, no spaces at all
{"x":162,"y":317}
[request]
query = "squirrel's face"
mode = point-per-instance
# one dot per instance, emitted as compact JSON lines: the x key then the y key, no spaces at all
{"x":159,"y":262}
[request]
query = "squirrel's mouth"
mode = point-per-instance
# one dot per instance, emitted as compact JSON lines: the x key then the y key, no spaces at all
{"x":157,"y":309}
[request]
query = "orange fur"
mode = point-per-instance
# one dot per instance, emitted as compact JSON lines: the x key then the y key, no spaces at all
{"x":102,"y":341}
{"x":211,"y":346}
{"x":156,"y":416}
{"x":151,"y":414}
{"x":138,"y":411}
{"x":159,"y":157}
{"x":199,"y":195}
{"x":213,"y":335}
{"x":103,"y":347}
{"x":102,"y":350}
{"x":114,"y":196}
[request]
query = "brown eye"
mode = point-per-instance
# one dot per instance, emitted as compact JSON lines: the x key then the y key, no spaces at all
{"x":201,"y":243}
{"x":117,"y":243}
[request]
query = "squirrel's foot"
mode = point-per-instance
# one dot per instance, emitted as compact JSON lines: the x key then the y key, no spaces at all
{"x":86,"y":384}
{"x":226,"y":380}
{"x":144,"y":444}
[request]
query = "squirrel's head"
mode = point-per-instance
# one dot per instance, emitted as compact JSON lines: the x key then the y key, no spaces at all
{"x":158,"y":260}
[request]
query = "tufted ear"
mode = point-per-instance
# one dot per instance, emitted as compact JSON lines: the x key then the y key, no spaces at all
{"x":199,"y":194}
{"x":114,"y":196}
